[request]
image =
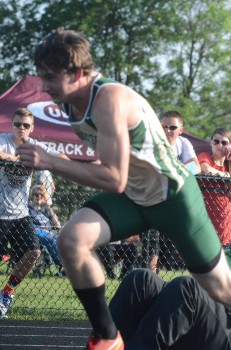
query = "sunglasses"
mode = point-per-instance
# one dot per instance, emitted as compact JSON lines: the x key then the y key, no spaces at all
{"x":169,"y":127}
{"x":217,"y":142}
{"x":25,"y":125}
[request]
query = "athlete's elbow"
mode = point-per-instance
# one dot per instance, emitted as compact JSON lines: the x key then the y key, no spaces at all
{"x":120,"y":189}
{"x":119,"y":186}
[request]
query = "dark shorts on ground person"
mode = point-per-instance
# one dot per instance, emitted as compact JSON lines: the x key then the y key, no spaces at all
{"x":182,"y":218}
{"x":154,"y":315}
{"x":20,"y":234}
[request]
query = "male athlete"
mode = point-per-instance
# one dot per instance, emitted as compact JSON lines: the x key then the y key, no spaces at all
{"x":144,"y":185}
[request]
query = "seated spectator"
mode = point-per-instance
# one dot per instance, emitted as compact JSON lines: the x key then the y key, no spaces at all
{"x":155,"y":315}
{"x":217,"y":194}
{"x":45,"y":221}
{"x":41,"y":212}
{"x":44,"y":177}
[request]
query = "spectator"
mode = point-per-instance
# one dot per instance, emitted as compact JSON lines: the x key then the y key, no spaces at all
{"x":45,"y":221}
{"x":144,"y":186}
{"x":217,"y":193}
{"x":172,"y":123}
{"x":44,"y":177}
{"x":155,"y":315}
{"x":42,"y":213}
{"x":16,"y":226}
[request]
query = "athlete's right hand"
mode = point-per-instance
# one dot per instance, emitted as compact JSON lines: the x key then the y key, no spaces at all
{"x":33,"y":156}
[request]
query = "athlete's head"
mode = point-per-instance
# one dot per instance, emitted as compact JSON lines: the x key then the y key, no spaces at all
{"x":64,"y":50}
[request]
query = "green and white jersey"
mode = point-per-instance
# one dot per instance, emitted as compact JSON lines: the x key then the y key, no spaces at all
{"x":154,"y":170}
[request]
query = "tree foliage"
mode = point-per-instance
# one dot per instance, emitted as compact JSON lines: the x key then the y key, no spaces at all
{"x":176,"y":53}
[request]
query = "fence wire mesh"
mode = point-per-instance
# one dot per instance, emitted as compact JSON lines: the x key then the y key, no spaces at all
{"x":46,"y":294}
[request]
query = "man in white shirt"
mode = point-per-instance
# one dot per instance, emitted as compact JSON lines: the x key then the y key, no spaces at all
{"x":172,"y":123}
{"x":16,"y":226}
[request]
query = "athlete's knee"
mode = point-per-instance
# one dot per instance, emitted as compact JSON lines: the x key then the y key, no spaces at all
{"x":67,"y":242}
{"x":74,"y":242}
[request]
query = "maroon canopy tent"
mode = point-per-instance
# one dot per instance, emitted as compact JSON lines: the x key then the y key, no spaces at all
{"x":51,"y":126}
{"x":198,"y":144}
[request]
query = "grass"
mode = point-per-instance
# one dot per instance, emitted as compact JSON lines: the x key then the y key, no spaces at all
{"x":48,"y":298}
{"x":51,"y":298}
{"x":170,"y":275}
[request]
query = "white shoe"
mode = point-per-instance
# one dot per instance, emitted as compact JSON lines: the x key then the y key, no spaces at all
{"x":5,"y":301}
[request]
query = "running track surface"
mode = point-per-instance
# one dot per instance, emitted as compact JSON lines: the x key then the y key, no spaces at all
{"x":43,"y":335}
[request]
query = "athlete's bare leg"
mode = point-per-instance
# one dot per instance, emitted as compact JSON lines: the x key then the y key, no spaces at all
{"x":217,"y":282}
{"x":85,"y":230}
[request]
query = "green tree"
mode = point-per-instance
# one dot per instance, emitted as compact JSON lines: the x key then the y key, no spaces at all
{"x":176,"y":53}
{"x":18,"y":22}
{"x":196,"y":78}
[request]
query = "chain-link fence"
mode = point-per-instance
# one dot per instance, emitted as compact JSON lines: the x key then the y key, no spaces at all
{"x":46,"y":294}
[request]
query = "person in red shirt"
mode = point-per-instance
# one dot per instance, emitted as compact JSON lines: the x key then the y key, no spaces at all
{"x":217,"y":192}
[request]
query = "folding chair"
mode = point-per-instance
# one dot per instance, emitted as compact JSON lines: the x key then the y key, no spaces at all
{"x":49,"y":252}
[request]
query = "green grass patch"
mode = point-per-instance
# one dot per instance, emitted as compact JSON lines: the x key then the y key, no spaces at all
{"x":51,"y":298}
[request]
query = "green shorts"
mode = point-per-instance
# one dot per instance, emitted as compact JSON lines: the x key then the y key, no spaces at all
{"x":182,"y":218}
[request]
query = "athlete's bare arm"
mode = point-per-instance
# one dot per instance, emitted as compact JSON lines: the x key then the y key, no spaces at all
{"x":112,"y":116}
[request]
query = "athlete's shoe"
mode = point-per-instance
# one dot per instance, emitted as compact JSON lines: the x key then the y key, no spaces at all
{"x":105,"y":344}
{"x":5,"y":301}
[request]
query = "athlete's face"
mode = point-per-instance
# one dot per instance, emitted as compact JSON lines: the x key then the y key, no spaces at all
{"x":58,"y":85}
{"x":172,"y":128}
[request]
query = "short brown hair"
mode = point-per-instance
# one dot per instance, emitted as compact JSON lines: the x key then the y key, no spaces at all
{"x":172,"y":114}
{"x":64,"y":49}
{"x":23,"y":112}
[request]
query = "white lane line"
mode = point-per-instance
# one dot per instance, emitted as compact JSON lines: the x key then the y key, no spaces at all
{"x":42,"y":335}
{"x":45,"y":347}
{"x":42,"y":327}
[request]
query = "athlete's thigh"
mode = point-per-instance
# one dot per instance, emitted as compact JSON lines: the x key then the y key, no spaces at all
{"x":122,"y":215}
{"x":184,"y":219}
